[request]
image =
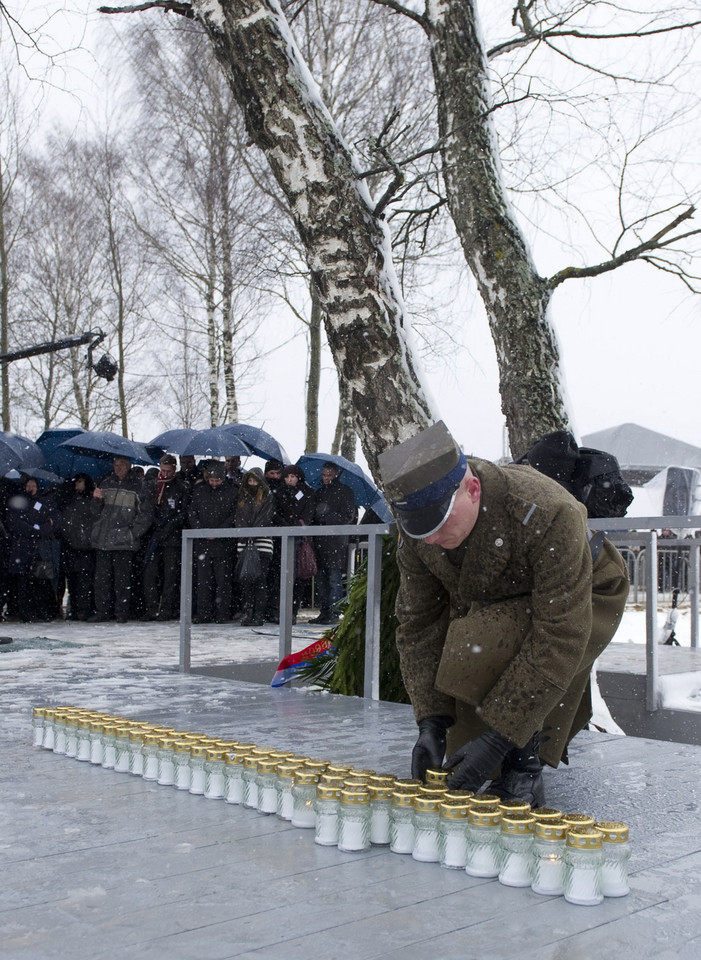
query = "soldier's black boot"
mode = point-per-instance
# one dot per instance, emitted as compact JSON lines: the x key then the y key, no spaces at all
{"x":522,"y":775}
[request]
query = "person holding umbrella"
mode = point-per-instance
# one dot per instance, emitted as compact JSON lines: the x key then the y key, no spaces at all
{"x":123,"y":505}
{"x":33,"y":521}
{"x":334,"y":503}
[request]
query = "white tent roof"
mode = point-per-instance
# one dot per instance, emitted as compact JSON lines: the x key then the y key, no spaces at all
{"x":637,"y":447}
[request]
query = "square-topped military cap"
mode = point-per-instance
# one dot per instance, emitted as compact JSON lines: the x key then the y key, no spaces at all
{"x":421,"y":477}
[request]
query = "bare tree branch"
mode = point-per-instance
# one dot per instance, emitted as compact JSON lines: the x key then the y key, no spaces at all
{"x":638,"y":252}
{"x":170,"y":6}
{"x":404,"y":11}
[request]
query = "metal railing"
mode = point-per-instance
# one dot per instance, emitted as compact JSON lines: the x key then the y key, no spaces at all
{"x":636,"y":537}
{"x":371,"y":532}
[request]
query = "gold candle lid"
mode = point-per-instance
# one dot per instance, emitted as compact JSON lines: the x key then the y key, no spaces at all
{"x":484,"y":818}
{"x":267,"y":765}
{"x":485,"y":801}
{"x":577,"y":819}
{"x":302,"y":775}
{"x":453,"y":810}
{"x":354,"y":796}
{"x":338,"y":769}
{"x":547,"y":813}
{"x":182,"y":745}
{"x":332,"y":779}
{"x":327,"y":791}
{"x":286,"y":769}
{"x":198,"y":750}
{"x":215,"y":753}
{"x":39,"y":712}
{"x":318,"y":765}
{"x":402,"y":798}
{"x":165,"y":743}
{"x":434,"y":790}
{"x":380,"y":791}
{"x":353,"y":781}
{"x":584,"y":838}
{"x":382,"y":780}
{"x":437,"y":776}
{"x":517,"y":823}
{"x":427,"y":804}
{"x":406,"y":784}
{"x":514,"y":806}
{"x":462,"y":795}
{"x":550,"y":829}
{"x":613,"y":831}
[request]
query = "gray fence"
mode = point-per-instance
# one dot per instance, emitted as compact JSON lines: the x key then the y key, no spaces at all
{"x":654,"y":570}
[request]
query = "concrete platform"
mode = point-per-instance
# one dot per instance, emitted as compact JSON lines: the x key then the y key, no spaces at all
{"x":98,"y":865}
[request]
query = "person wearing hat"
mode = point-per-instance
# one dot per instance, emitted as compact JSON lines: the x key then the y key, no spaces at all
{"x":212,"y":506}
{"x":161,"y":574}
{"x":294,"y":506}
{"x":502,"y":611}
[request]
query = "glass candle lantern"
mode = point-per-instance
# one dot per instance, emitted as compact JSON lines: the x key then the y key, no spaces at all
{"x":354,"y":820}
{"x":283,"y":785}
{"x":250,"y":780}
{"x":483,"y":843}
{"x":83,"y":744}
{"x":401,"y":821}
{"x":303,"y":796}
{"x":96,"y":745}
{"x":38,"y":726}
{"x":136,"y":746}
{"x":109,"y":748}
{"x":326,"y":804}
{"x":452,"y":834}
{"x":233,"y":773}
{"x":166,"y":761}
{"x":583,"y":857}
{"x":48,"y":730}
{"x":214,"y":773}
{"x":267,"y":788}
{"x":516,"y":849}
{"x":60,"y":731}
{"x":181,"y":759}
{"x":149,"y":751}
{"x":121,"y":749}
{"x":71,"y":734}
{"x":616,"y":854}
{"x":549,"y":838}
{"x":425,"y":820}
{"x":380,"y":805}
{"x":198,"y":752}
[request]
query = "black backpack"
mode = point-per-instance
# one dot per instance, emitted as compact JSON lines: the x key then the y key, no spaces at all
{"x":592,"y":476}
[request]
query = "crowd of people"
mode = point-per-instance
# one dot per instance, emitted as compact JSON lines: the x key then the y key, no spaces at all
{"x":111,"y":549}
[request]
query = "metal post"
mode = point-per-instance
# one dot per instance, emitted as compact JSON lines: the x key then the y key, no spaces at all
{"x":287,"y":571}
{"x":371,"y":678}
{"x":694,"y":591}
{"x":651,"y":622}
{"x":185,"y":601}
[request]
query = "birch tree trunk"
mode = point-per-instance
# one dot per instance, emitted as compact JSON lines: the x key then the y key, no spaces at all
{"x":4,"y":305}
{"x":314,"y":377}
{"x":346,"y":245}
{"x":515,"y":296}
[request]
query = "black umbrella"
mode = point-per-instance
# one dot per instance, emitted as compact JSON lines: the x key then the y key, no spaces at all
{"x":216,"y":442}
{"x":106,"y":445}
{"x":261,"y":443}
{"x":19,"y":453}
{"x":173,"y":441}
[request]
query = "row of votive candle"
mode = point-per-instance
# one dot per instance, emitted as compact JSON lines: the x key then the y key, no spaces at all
{"x":551,"y":852}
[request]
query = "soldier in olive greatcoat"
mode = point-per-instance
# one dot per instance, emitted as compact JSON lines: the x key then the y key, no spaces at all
{"x":503,"y":607}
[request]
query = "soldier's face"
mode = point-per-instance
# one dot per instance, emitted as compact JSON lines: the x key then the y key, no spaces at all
{"x":462,"y":517}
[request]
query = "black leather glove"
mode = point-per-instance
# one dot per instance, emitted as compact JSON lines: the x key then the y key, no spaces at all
{"x":473,"y":763}
{"x":429,"y":749}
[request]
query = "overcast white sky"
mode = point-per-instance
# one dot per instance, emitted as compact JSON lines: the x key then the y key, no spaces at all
{"x":630,"y":339}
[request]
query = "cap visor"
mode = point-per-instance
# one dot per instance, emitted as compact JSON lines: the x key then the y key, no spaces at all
{"x":420,"y":524}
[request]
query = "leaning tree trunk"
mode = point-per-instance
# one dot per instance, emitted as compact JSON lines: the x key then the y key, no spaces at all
{"x":515,"y":296}
{"x":346,"y":245}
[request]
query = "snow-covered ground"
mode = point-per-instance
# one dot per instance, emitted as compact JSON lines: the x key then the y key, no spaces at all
{"x":133,"y":650}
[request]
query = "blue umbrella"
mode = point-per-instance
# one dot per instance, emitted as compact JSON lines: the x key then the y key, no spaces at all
{"x":260,"y":442}
{"x":216,"y":442}
{"x":67,"y":463}
{"x":173,"y":441}
{"x":44,"y":476}
{"x":106,"y":446}
{"x":18,"y":453}
{"x":364,"y":489}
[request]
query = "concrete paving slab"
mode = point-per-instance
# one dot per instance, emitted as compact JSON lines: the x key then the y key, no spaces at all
{"x":102,"y":865}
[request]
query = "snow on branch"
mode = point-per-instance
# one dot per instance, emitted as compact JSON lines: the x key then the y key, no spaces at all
{"x":660,"y":241}
{"x":170,"y":6}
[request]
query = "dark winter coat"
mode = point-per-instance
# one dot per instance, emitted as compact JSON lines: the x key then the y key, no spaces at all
{"x":171,"y":502}
{"x":293,"y":505}
{"x":528,"y":552}
{"x":334,"y":503}
{"x":33,"y":524}
{"x":213,"y":508}
{"x":77,"y":520}
{"x":124,"y":514}
{"x":255,"y":513}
